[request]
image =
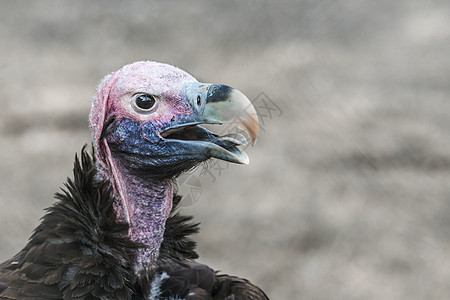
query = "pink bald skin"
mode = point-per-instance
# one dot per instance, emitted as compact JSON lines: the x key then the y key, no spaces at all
{"x":143,"y":204}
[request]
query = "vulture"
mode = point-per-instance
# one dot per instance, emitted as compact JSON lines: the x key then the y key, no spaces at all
{"x":114,"y":231}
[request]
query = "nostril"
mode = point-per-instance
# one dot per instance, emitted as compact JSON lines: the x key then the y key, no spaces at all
{"x":199,"y":100}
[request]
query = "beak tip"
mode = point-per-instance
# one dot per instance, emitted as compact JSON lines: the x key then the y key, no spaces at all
{"x":245,"y":162}
{"x":252,"y":125}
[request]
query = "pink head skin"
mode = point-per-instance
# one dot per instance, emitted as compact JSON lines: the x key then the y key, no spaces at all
{"x":146,"y":215}
{"x":114,"y":93}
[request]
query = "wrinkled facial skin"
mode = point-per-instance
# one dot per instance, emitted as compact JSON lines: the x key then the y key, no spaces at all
{"x":142,"y":150}
{"x":165,"y":83}
{"x":114,"y":95}
{"x":135,"y":135}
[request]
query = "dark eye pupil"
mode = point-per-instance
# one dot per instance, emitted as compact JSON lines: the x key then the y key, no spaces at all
{"x":145,"y":101}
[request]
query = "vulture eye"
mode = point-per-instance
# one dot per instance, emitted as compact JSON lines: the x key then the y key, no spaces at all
{"x":144,"y":103}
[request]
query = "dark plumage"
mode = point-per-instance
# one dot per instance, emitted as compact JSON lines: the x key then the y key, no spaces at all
{"x":85,"y":248}
{"x":80,"y":251}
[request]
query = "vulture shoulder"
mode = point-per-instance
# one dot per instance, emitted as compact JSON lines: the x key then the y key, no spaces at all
{"x":79,"y":251}
{"x":191,"y":280}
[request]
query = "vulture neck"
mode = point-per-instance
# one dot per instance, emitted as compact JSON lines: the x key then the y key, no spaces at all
{"x":145,"y":204}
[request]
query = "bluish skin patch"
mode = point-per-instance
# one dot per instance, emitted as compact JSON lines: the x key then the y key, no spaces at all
{"x":143,"y":140}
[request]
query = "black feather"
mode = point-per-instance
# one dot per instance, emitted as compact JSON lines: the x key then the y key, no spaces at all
{"x":78,"y":247}
{"x":177,"y":243}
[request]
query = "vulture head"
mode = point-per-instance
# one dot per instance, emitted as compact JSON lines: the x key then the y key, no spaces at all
{"x":146,"y":120}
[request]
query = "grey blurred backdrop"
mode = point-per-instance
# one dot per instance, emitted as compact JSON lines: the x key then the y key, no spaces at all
{"x":347,"y":195}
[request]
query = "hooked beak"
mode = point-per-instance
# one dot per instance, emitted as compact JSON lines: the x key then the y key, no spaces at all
{"x":216,"y":104}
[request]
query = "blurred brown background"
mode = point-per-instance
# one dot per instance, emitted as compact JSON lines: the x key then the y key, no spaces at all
{"x":347,"y":195}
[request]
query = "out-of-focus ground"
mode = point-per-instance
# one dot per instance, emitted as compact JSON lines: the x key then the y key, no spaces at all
{"x":347,"y":195}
